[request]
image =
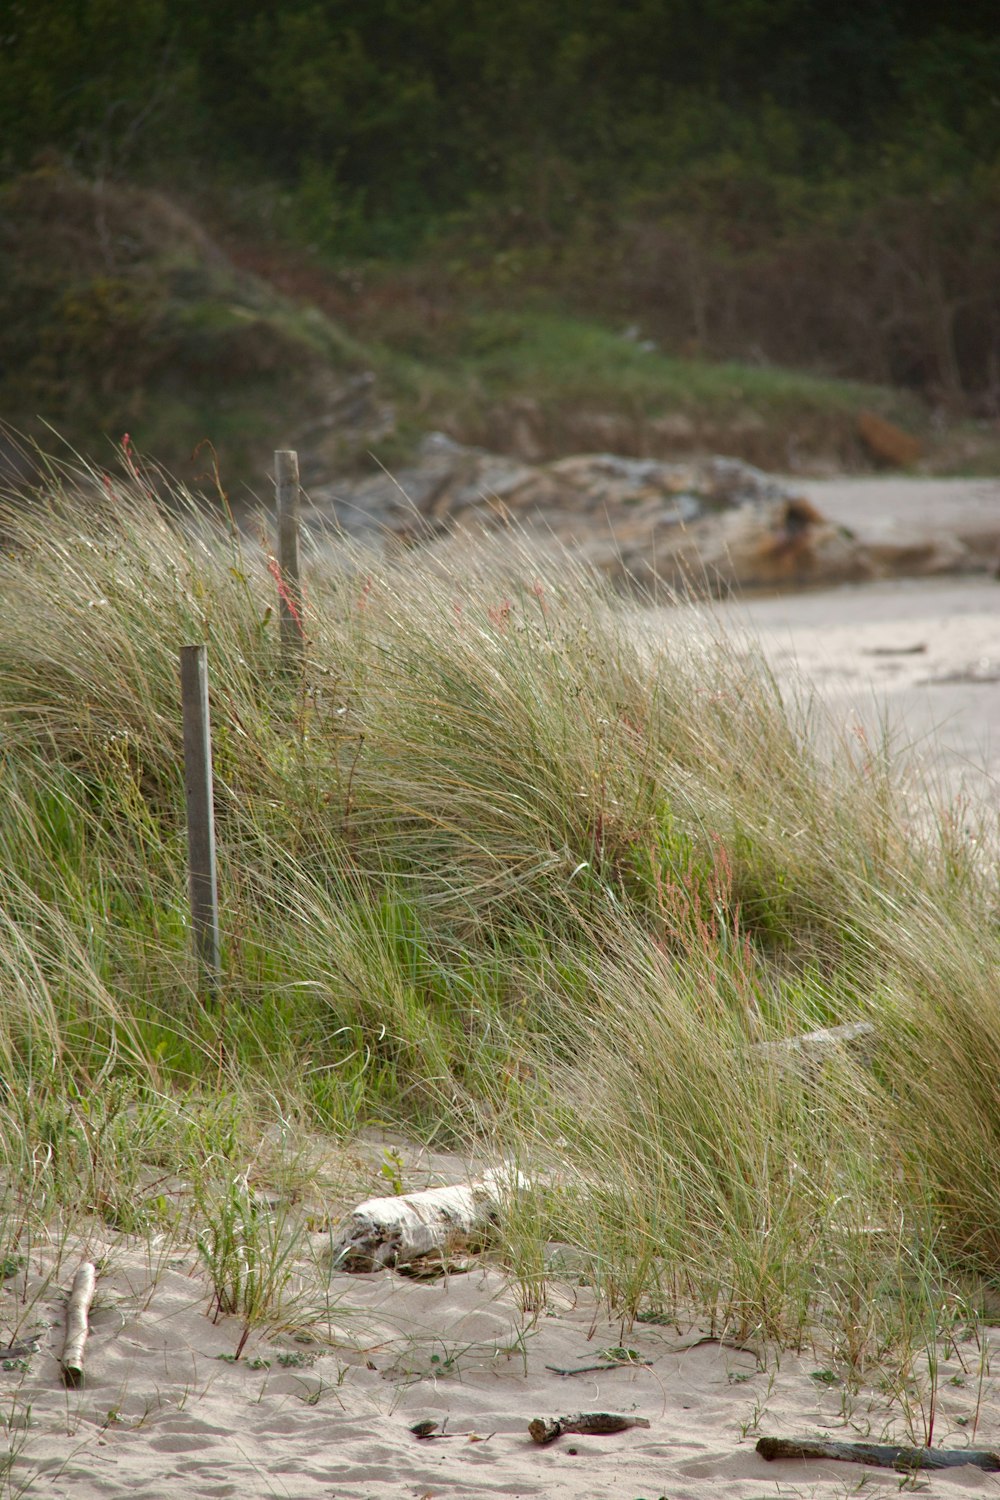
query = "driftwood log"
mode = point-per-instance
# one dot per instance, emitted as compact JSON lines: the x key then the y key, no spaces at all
{"x":598,"y":1423}
{"x":438,"y":1222}
{"x":805,"y":1054}
{"x":879,"y":1455}
{"x":77,"y":1322}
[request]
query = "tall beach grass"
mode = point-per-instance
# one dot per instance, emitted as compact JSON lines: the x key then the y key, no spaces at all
{"x":499,"y":875}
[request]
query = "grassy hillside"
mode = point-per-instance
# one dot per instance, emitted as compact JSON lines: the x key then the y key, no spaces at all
{"x":120,"y":312}
{"x":791,"y":186}
{"x":553,"y":383}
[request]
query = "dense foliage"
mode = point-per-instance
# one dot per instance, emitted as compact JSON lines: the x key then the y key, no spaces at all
{"x":786,"y":182}
{"x":408,"y":110}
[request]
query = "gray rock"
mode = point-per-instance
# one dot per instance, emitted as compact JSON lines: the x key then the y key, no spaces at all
{"x":704,"y":526}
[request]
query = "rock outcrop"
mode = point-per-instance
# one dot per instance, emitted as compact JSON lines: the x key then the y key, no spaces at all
{"x":698,"y":527}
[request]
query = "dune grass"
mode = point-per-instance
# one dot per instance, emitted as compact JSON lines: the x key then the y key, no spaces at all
{"x":496,"y":874}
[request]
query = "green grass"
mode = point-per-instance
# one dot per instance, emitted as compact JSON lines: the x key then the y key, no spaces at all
{"x":575,"y":360}
{"x":586,"y":386}
{"x":498,"y":875}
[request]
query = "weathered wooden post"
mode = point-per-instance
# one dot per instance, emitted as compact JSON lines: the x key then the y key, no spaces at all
{"x":202,"y":881}
{"x":286,"y":476}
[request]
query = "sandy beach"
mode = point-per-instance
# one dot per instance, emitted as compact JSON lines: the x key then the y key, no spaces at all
{"x":327,"y":1411}
{"x":320,"y":1406}
{"x":918,"y":655}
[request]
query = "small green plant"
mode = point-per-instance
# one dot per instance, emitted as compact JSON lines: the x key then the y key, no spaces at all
{"x":312,"y":1395}
{"x":759,"y":1408}
{"x":248,"y":1251}
{"x":618,"y":1354}
{"x":295,"y":1359}
{"x":391,"y":1169}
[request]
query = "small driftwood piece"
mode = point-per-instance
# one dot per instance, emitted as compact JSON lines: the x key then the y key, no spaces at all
{"x":805,"y":1054}
{"x":77,"y":1322}
{"x":879,"y":1455}
{"x":438,"y":1222}
{"x":596,"y":1423}
{"x":20,"y":1349}
{"x":607,"y":1364}
{"x":428,"y":1432}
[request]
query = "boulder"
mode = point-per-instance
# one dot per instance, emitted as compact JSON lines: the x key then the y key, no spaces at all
{"x":765,"y":544}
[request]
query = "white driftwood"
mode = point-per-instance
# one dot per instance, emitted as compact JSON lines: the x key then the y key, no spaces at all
{"x":807,"y":1052}
{"x":77,"y":1324}
{"x":437,"y":1222}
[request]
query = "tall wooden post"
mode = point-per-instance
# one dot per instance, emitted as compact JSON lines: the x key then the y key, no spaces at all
{"x":202,"y":880}
{"x":286,"y":475}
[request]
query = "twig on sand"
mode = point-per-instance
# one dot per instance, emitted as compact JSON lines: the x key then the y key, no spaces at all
{"x":607,"y":1364}
{"x":21,"y":1348}
{"x":428,"y":1432}
{"x":77,"y":1325}
{"x":917,"y":650}
{"x":714,"y":1338}
{"x":599,"y":1423}
{"x":879,"y":1455}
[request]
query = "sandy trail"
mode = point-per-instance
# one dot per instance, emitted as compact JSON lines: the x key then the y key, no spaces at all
{"x":945,"y":701}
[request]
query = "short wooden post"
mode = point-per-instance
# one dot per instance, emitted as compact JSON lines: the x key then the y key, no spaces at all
{"x":202,"y":882}
{"x":286,"y":475}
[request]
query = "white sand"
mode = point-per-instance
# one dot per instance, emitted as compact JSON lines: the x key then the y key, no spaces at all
{"x":855,"y":645}
{"x":160,"y":1415}
{"x":921,"y":655}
